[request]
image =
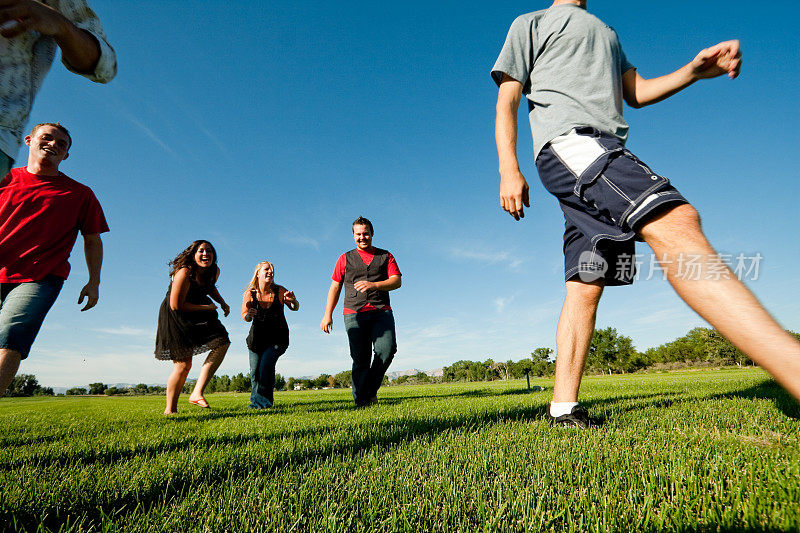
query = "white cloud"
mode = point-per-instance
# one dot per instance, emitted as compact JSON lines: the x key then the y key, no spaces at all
{"x":127,"y":331}
{"x":301,"y":240}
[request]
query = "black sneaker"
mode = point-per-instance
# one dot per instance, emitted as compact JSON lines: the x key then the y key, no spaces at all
{"x":578,"y":417}
{"x":372,"y":401}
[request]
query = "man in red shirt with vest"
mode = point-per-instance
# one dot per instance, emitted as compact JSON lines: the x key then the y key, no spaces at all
{"x":41,"y":213}
{"x":368,"y":274}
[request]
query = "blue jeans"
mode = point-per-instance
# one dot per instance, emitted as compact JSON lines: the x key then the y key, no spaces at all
{"x":5,"y":164}
{"x":262,"y":376}
{"x":23,"y":307}
{"x":367,"y":331}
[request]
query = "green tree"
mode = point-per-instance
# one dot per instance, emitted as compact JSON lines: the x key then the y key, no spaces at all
{"x":23,"y":385}
{"x":240,"y":383}
{"x":280,"y":382}
{"x":140,"y":389}
{"x":540,"y":355}
{"x":96,"y":388}
{"x":609,"y":351}
{"x":188,"y":386}
{"x":290,"y":383}
{"x":422,"y":377}
{"x":320,"y":381}
{"x":76,"y":391}
{"x":343,"y":379}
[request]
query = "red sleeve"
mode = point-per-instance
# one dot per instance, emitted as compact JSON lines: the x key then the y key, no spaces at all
{"x":338,"y":270}
{"x":391,"y":267}
{"x":92,"y":219}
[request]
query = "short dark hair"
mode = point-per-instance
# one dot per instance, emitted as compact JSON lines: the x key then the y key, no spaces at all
{"x":55,"y":125}
{"x":361,"y":221}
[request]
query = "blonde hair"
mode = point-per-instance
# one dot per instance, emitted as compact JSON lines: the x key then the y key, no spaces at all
{"x":253,"y":285}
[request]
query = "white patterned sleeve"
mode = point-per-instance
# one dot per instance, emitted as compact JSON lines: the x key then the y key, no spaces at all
{"x":79,"y":13}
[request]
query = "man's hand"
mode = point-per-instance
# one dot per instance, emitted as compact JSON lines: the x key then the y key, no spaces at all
{"x":364,"y":286}
{"x":19,"y":16}
{"x":722,"y":58}
{"x":92,"y":292}
{"x":327,"y":324}
{"x":514,"y":193}
{"x":225,"y":308}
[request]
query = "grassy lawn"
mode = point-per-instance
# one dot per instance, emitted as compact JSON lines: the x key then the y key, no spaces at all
{"x":714,"y":450}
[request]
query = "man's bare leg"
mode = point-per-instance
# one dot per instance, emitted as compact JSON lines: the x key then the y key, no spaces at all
{"x":725,"y":303}
{"x":573,"y":337}
{"x":9,"y":364}
{"x":208,"y":369}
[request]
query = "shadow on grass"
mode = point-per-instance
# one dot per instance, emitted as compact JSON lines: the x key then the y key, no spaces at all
{"x":356,"y":438}
{"x":769,"y":390}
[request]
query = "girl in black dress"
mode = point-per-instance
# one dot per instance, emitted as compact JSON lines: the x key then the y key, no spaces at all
{"x":188,"y":324}
{"x":262,"y":305}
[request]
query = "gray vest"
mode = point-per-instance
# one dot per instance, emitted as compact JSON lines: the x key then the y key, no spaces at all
{"x":356,"y":270}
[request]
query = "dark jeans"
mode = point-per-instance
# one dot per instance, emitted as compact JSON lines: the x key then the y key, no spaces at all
{"x":365,"y":331}
{"x":262,"y":376}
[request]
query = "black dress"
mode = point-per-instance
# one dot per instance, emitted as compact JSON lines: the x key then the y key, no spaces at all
{"x":183,"y":334}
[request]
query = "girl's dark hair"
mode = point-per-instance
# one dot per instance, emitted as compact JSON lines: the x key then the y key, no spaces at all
{"x":185,"y":259}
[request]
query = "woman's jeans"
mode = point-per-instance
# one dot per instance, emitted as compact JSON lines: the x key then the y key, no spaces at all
{"x":262,"y":376}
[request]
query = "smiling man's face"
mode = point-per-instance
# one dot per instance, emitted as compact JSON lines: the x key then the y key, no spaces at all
{"x":49,"y":146}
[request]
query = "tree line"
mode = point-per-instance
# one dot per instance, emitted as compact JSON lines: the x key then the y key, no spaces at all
{"x":610,"y":352}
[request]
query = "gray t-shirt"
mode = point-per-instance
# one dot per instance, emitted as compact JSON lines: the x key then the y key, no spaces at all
{"x":570,"y":65}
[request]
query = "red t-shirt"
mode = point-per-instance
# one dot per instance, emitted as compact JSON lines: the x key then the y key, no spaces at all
{"x":341,"y":266}
{"x":40,"y":217}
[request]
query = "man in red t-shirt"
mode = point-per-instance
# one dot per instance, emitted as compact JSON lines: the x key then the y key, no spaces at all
{"x":41,"y":213}
{"x":367,"y":274}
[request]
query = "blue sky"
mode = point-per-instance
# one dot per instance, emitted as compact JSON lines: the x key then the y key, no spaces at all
{"x":268,"y":132}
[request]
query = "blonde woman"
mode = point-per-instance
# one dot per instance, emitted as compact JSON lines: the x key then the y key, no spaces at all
{"x":262,"y":305}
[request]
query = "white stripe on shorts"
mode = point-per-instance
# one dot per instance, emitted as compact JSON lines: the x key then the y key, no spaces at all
{"x":647,"y":201}
{"x":577,"y":152}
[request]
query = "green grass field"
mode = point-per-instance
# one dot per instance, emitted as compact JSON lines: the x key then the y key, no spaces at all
{"x":690,"y":451}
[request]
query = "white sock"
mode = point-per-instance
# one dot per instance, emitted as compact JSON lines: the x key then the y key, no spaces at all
{"x":561,"y":408}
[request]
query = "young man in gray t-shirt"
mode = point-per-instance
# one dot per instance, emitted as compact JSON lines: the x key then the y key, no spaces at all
{"x":571,"y":68}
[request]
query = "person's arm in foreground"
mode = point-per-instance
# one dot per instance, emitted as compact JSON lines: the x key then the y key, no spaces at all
{"x":514,"y":191}
{"x":390,"y":284}
{"x":333,"y":298}
{"x":177,"y":296}
{"x":215,"y":295}
{"x":93,"y":251}
{"x":722,"y":58}
{"x":79,"y":48}
{"x":288,"y":298}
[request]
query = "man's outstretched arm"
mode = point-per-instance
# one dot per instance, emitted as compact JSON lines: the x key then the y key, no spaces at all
{"x":330,"y":304}
{"x":723,"y":58}
{"x":513,"y":185}
{"x":93,"y":250}
{"x":78,"y":47}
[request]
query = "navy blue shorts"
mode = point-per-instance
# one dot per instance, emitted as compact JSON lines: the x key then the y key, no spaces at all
{"x":606,"y":193}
